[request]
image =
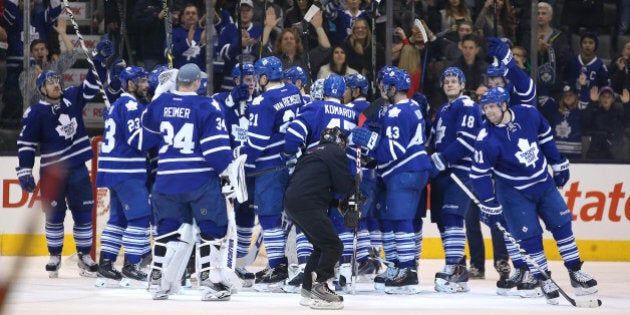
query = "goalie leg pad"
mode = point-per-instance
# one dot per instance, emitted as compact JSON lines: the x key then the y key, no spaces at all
{"x":175,"y":259}
{"x":217,"y":281}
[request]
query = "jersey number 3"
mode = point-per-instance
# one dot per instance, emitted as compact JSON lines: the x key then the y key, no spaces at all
{"x":182,"y":140}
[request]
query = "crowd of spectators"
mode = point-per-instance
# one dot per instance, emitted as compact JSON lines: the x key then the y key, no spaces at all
{"x":582,"y":58}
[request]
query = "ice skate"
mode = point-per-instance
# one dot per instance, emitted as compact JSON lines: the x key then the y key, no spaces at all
{"x":550,"y":291}
{"x":133,"y":276}
{"x":273,"y":279}
{"x":345,"y":277}
{"x":367,"y":269}
{"x":107,"y":274}
{"x":452,"y":279}
{"x":212,"y":291}
{"x":87,"y":267}
{"x":503,"y":268}
{"x":389,"y":273}
{"x":247,"y":278}
{"x":475,"y":273}
{"x":582,"y":281}
{"x":323,"y":298}
{"x":405,"y":282}
{"x":154,"y":280}
{"x":294,"y":282}
{"x":53,"y":266}
{"x":528,"y":286}
{"x":305,"y":297}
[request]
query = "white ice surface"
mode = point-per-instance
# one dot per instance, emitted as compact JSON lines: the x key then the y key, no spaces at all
{"x":35,"y":293}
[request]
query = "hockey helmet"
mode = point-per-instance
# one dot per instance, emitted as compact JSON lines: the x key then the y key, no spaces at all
{"x":248,"y":69}
{"x":357,"y":80}
{"x":47,"y":75}
{"x":334,"y":86}
{"x":295,"y":73}
{"x":383,"y":71}
{"x":270,"y":66}
{"x":334,"y":135}
{"x":453,"y":72}
{"x":399,"y":78}
{"x":496,"y":95}
{"x":317,"y":89}
{"x":132,"y":73}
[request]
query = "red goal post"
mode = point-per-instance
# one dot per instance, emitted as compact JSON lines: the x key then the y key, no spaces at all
{"x":100,"y":209}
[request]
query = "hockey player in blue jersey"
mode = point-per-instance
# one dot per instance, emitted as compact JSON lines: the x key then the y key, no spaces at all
{"x":454,"y":130}
{"x":504,"y":72}
{"x":235,"y":105}
{"x":269,"y":116}
{"x":305,"y":131}
{"x":297,"y":76}
{"x":122,"y":167}
{"x":194,"y":150}
{"x":515,"y":147}
{"x":55,"y":125}
{"x":404,"y":166}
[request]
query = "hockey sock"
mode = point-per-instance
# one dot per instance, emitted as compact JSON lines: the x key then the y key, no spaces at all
{"x":389,"y":241}
{"x":273,"y":236}
{"x":111,"y":240}
{"x":515,"y":255}
{"x":347,"y":238}
{"x":54,"y":237}
{"x":534,"y":247}
{"x":135,"y":239}
{"x":363,"y":244}
{"x":417,"y":228}
{"x":83,"y":237}
{"x":405,"y":243}
{"x":376,"y":237}
{"x":566,"y":245}
{"x":304,"y":248}
{"x":453,"y":238}
{"x":244,"y":239}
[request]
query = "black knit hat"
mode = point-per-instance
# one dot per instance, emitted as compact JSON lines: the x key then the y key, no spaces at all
{"x":591,"y":36}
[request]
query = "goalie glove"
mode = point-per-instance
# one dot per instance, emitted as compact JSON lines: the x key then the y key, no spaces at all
{"x":234,"y":186}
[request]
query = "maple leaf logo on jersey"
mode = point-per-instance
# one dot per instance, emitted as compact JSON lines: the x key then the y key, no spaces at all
{"x":393,"y":113}
{"x":440,"y":130}
{"x":563,"y":129}
{"x":239,"y":132}
{"x":482,"y":134}
{"x":192,"y":52}
{"x":68,"y":127}
{"x":131,"y":105}
{"x":528,"y":153}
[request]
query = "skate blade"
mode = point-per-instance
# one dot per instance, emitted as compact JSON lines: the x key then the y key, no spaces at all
{"x":160,"y":295}
{"x":53,"y":274}
{"x":247,"y":283}
{"x":132,"y":283}
{"x":269,"y":287}
{"x":527,"y":294}
{"x":379,"y":287}
{"x":317,"y":304}
{"x":579,"y":291}
{"x":102,"y":282}
{"x":553,"y":301}
{"x":87,"y":274}
{"x":291,"y":289}
{"x":211,"y":295}
{"x":304,"y":301}
{"x":406,"y":290}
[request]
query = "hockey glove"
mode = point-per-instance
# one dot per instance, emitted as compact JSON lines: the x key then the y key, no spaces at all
{"x":561,"y":173}
{"x":351,"y":219}
{"x":498,"y":48}
{"x":114,"y":72}
{"x":27,"y":182}
{"x":365,"y":137}
{"x":290,"y":159}
{"x":490,"y":212}
{"x":439,"y":162}
{"x":104,"y":49}
{"x":240,"y":93}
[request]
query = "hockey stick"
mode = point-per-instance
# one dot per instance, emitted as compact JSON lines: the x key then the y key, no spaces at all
{"x":425,"y":38}
{"x":252,"y":253}
{"x":270,"y":170}
{"x":582,"y":303}
{"x":168,"y":29}
{"x":122,"y":11}
{"x":87,"y":54}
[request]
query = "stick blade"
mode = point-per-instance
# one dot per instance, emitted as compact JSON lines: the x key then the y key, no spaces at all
{"x":592,"y":303}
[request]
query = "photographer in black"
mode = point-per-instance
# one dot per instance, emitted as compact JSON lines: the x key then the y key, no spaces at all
{"x":318,"y":175}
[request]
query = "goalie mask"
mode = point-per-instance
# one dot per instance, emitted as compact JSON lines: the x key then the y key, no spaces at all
{"x":334,"y":135}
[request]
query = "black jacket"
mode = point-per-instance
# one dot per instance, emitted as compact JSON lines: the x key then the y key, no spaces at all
{"x":318,"y":174}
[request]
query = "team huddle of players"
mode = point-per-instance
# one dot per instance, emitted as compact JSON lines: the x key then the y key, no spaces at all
{"x":266,"y":122}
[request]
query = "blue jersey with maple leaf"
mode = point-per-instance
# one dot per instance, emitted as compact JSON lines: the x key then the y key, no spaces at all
{"x":193,"y":142}
{"x":58,"y":129}
{"x":236,"y":122}
{"x":454,"y":130}
{"x":186,"y":52}
{"x":516,"y":153}
{"x":401,"y":148}
{"x":269,"y":117}
{"x":120,"y":157}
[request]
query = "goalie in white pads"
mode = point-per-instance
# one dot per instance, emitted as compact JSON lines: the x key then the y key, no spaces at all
{"x":194,"y":148}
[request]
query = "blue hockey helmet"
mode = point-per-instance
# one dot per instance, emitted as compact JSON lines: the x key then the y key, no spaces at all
{"x":248,"y":69}
{"x":317,"y":89}
{"x":357,"y":80}
{"x":295,"y":73}
{"x":270,"y":66}
{"x":496,"y":95}
{"x":496,"y":70}
{"x":334,"y":86}
{"x":399,"y":78}
{"x":160,"y":68}
{"x":383,"y":71}
{"x":47,"y":75}
{"x":154,"y":77}
{"x":132,"y":73}
{"x":453,"y":72}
